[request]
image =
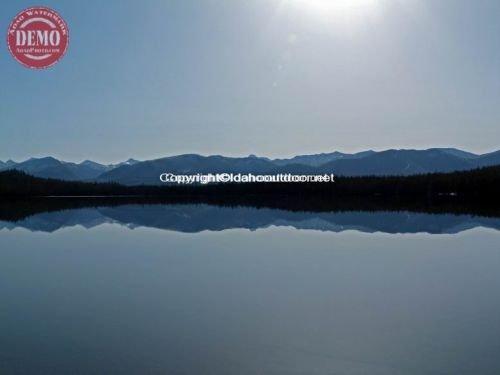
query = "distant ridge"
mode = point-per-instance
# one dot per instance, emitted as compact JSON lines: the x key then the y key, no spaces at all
{"x":389,"y":162}
{"x":49,"y":167}
{"x":377,"y":163}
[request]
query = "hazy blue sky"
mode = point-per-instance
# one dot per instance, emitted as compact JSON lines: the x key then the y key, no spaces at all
{"x":147,"y":79}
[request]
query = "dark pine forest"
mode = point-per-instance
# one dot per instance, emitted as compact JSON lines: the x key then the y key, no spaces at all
{"x":474,"y":192}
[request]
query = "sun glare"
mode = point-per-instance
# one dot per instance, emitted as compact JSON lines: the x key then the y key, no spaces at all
{"x":337,"y":14}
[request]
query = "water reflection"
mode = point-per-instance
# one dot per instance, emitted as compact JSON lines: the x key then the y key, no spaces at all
{"x":194,"y":218}
{"x":113,"y":300}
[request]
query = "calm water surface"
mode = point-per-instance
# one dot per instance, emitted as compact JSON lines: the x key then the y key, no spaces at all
{"x":128,"y":299}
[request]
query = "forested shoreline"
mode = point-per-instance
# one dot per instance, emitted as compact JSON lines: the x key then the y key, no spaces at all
{"x":478,"y":184}
{"x":473,"y":192}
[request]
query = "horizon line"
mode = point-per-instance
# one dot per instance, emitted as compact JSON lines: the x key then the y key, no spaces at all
{"x":43,"y":156}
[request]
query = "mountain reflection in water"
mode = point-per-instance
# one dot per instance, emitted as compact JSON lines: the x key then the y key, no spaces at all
{"x":194,"y":218}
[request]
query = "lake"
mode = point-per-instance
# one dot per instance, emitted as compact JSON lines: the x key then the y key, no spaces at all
{"x":199,"y":289}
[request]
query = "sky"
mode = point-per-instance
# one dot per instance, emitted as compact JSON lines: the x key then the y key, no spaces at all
{"x":148,"y":79}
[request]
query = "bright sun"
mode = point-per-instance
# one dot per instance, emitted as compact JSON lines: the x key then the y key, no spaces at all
{"x":338,"y":14}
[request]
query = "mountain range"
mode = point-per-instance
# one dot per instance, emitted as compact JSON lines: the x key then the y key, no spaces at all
{"x":377,"y":163}
{"x":49,"y":167}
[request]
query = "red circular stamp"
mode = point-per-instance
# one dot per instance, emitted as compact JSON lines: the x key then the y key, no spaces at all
{"x":38,"y":37}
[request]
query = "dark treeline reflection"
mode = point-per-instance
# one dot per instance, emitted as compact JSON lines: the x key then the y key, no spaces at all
{"x":51,"y":214}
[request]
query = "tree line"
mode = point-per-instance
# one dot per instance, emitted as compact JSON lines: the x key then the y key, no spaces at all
{"x":472,"y":192}
{"x":476,"y":185}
